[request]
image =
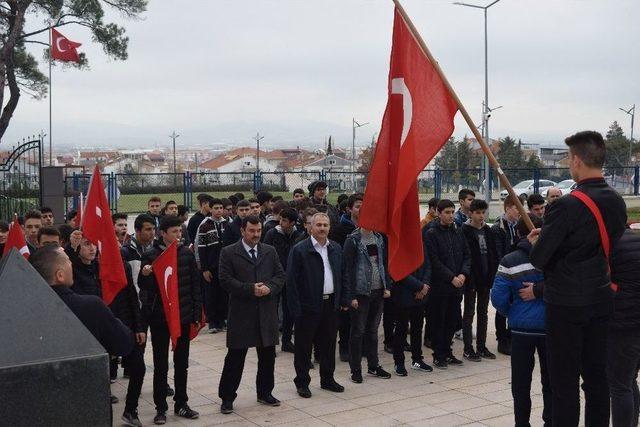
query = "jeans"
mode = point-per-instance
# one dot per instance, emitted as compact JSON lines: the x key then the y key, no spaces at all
{"x":365,"y":321}
{"x":577,"y":346}
{"x":160,"y":344}
{"x":234,"y":365}
{"x":523,"y":351}
{"x":404,"y":316}
{"x":134,"y":364}
{"x":623,"y":362}
{"x":443,"y":317}
{"x":471,"y":297}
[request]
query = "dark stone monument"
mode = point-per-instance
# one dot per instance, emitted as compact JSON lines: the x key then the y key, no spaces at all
{"x":53,"y":372}
{"x":53,"y":191}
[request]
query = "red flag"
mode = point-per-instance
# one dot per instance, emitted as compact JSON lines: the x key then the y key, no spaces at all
{"x":417,"y":122}
{"x":15,"y":239}
{"x":165,"y":268}
{"x":195,"y":328}
{"x":78,"y":219}
{"x":62,"y":48}
{"x":98,"y":229}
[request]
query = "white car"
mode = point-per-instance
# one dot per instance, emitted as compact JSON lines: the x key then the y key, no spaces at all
{"x":525,"y":188}
{"x":565,"y":187}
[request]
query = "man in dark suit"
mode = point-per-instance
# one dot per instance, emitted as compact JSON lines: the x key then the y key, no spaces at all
{"x":252,"y":275}
{"x":316,"y":290}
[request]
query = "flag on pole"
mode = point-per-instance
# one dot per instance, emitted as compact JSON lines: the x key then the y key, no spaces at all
{"x":15,"y":239}
{"x":97,"y":227}
{"x":78,"y":218}
{"x":62,"y":48}
{"x":165,"y":268}
{"x":417,"y":122}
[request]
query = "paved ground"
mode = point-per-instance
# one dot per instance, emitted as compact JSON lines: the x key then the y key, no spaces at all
{"x":475,"y":394}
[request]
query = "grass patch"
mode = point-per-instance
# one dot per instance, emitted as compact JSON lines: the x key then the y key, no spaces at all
{"x":633,"y":214}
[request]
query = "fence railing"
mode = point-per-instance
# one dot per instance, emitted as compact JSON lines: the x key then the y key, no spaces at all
{"x":129,"y":193}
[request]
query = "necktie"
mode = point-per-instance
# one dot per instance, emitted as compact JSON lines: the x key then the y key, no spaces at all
{"x":253,"y":254}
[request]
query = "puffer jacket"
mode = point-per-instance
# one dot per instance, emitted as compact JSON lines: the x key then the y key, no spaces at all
{"x":477,"y":280}
{"x":625,"y":272}
{"x":358,"y":263}
{"x":515,"y":269}
{"x":449,"y":256}
{"x":189,"y":291}
{"x":126,"y":306}
{"x":403,"y":291}
{"x":86,"y":277}
{"x":340,"y":232}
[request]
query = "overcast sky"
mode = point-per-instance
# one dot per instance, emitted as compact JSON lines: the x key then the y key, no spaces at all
{"x":296,"y":71}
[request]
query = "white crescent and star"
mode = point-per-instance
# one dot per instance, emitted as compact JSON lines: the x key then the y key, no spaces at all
{"x":399,"y":87}
{"x":58,"y":40}
{"x":167,"y":273}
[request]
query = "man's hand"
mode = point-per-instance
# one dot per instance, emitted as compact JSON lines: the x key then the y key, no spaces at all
{"x":533,"y":236}
{"x":207,"y":276}
{"x":386,"y":294}
{"x":146,"y":270}
{"x":344,"y":308}
{"x":462,"y":278}
{"x":456,"y":282}
{"x":422,"y":292}
{"x":257,"y":289}
{"x":354,"y":304}
{"x":75,"y":239}
{"x":526,"y":293}
{"x":141,"y":338}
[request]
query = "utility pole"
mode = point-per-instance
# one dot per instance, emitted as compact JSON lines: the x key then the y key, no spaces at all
{"x":173,"y":137}
{"x":632,"y":112}
{"x":258,"y":138}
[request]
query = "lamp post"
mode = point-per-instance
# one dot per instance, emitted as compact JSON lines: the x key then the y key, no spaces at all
{"x":486,"y":111}
{"x":258,"y":138}
{"x":173,"y":137}
{"x":355,"y":125}
{"x":632,"y":112}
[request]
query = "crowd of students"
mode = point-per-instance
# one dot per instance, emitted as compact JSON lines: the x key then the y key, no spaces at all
{"x":302,"y":271}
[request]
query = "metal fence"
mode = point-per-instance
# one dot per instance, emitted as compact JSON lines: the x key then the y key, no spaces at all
{"x":20,"y":178}
{"x":129,"y":193}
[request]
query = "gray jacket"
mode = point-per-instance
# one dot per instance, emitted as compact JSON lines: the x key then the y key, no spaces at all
{"x":359,"y":266}
{"x":252,"y":321}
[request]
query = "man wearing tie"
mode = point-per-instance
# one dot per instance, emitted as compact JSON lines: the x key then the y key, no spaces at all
{"x":316,"y":290}
{"x":251,"y":273}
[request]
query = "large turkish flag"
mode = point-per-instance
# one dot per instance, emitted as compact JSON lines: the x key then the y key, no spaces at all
{"x":62,"y":48}
{"x":417,"y":122}
{"x":165,"y":268}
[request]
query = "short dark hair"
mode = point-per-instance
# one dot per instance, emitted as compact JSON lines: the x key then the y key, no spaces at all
{"x":32,"y":215}
{"x":65,"y":233}
{"x":251,"y":219}
{"x":48,"y":231}
{"x":239,"y":196}
{"x":141,"y":219}
{"x":353,"y":199}
{"x":290,"y":214}
{"x":589,"y":146}
{"x":215,"y":201}
{"x":276,"y":198}
{"x":71,"y":214}
{"x":201,"y":198}
{"x":170,"y":202}
{"x":118,"y":215}
{"x":46,"y":261}
{"x":444,"y":204}
{"x":462,"y":194}
{"x":508,"y":202}
{"x":309,"y":212}
{"x":233,"y":199}
{"x":254,"y":200}
{"x":153,"y":199}
{"x":303,"y":204}
{"x":298,"y":191}
{"x":535,"y":199}
{"x":226,"y":202}
{"x":521,"y":227}
{"x":4,"y":226}
{"x":433,"y":202}
{"x":341,"y":197}
{"x":182,"y":210}
{"x":169,"y":221}
{"x":46,"y":209}
{"x":264,"y":197}
{"x":279,"y":206}
{"x":243,"y":204}
{"x":478,"y":205}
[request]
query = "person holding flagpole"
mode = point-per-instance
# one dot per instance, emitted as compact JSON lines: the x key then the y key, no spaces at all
{"x":189,"y":303}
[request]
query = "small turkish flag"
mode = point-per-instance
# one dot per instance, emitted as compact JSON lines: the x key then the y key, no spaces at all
{"x":417,"y":122}
{"x":15,"y":239}
{"x":165,"y":268}
{"x":98,"y":229}
{"x":62,"y":48}
{"x":194,"y":328}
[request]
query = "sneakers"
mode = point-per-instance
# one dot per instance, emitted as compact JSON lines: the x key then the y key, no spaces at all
{"x":226,"y":407}
{"x":304,"y":392}
{"x":421,"y":366}
{"x":471,"y":356}
{"x":332,"y":386}
{"x":458,"y":335}
{"x":451,"y":360}
{"x":170,"y":391}
{"x":114,"y":399}
{"x":186,"y":412}
{"x":378,"y":372}
{"x":160,"y":418}
{"x":130,"y":418}
{"x":356,"y":377}
{"x":288,"y":347}
{"x":440,"y":363}
{"x":269,"y":400}
{"x":485,"y":353}
{"x":401,"y":371}
{"x":504,"y":347}
{"x":214,"y":330}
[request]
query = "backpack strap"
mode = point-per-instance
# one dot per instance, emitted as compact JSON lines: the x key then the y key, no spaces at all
{"x":604,"y":236}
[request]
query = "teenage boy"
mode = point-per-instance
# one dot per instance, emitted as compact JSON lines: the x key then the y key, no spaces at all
{"x":198,"y":217}
{"x":536,"y":203}
{"x":484,"y":262}
{"x":450,"y":268}
{"x":190,"y":311}
{"x":465,"y":197}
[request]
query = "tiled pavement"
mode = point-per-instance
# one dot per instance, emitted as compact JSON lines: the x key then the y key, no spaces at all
{"x":476,"y":394}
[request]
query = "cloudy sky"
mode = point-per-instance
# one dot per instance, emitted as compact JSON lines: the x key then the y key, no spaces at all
{"x":296,"y":71}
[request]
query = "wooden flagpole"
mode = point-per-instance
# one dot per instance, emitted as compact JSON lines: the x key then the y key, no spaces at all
{"x":492,"y":159}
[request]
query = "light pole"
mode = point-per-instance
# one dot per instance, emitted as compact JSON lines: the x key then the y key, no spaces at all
{"x":632,"y":112}
{"x":173,"y":137}
{"x":486,"y":111}
{"x":355,"y":125}
{"x":258,"y":138}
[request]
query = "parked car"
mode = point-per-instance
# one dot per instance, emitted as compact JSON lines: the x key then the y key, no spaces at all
{"x":525,"y":188}
{"x":565,"y":187}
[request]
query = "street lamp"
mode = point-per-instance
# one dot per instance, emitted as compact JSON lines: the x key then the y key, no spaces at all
{"x":173,"y":137}
{"x":258,"y":138}
{"x":632,"y":112}
{"x":486,"y":112}
{"x":355,"y":125}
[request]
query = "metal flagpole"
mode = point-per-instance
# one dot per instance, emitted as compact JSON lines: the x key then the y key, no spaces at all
{"x":50,"y":131}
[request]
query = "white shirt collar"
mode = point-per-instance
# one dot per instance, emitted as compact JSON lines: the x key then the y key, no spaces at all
{"x":248,"y":248}
{"x":317,"y":244}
